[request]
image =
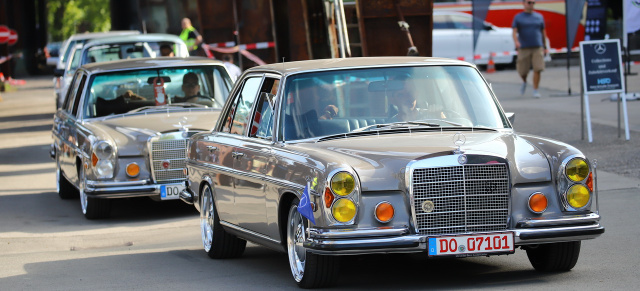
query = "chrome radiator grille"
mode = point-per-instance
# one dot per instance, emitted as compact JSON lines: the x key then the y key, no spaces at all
{"x":174,"y":152}
{"x":469,"y":198}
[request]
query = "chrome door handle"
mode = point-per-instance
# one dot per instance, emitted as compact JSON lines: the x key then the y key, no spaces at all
{"x":237,"y":155}
{"x":212,"y":148}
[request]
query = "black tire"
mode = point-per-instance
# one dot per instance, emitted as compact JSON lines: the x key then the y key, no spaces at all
{"x":216,"y":241}
{"x":555,"y":257}
{"x":309,"y":270}
{"x":98,"y":208}
{"x":92,"y":208}
{"x":65,"y":189}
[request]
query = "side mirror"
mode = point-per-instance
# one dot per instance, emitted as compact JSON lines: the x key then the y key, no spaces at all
{"x":511,"y":116}
{"x":58,"y":72}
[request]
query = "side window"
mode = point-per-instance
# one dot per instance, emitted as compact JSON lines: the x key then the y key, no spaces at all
{"x":262,"y":121}
{"x":237,"y":119}
{"x":71,"y":92}
{"x":78,"y":95}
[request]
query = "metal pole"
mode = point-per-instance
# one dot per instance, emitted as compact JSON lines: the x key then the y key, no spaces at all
{"x":237,"y":33}
{"x":339,"y":23}
{"x":345,"y":29}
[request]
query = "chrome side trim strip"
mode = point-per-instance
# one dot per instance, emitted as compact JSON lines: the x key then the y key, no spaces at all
{"x":244,"y":230}
{"x":267,"y":179}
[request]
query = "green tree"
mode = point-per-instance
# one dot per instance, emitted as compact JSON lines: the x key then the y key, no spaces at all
{"x":67,"y":17}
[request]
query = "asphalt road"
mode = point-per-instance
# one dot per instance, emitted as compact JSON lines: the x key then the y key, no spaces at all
{"x":46,"y":244}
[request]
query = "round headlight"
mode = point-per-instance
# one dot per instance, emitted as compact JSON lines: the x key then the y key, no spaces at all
{"x":104,"y":169}
{"x":578,"y":196}
{"x":103,"y":150}
{"x":344,"y":210}
{"x":343,"y":184}
{"x":577,"y":169}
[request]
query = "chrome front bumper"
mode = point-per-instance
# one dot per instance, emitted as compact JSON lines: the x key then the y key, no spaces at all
{"x":399,"y":240}
{"x":100,"y":189}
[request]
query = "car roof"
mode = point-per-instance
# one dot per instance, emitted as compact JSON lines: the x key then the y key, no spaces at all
{"x":290,"y":68}
{"x":91,"y":35}
{"x":149,"y":63}
{"x":134,"y":38}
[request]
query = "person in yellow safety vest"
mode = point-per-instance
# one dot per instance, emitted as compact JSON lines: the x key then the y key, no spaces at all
{"x":190,"y":36}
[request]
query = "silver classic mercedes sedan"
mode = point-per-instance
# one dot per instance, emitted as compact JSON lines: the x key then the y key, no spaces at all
{"x":334,"y":157}
{"x":122,"y":129}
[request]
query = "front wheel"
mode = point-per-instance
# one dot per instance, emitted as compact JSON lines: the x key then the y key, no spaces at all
{"x":216,"y":241}
{"x":92,"y":208}
{"x":555,"y":257}
{"x":308,"y":269}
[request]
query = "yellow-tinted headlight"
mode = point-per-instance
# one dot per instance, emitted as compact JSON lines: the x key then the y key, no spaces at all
{"x":577,"y":169}
{"x":578,"y":196}
{"x":344,"y":210}
{"x":343,"y":183}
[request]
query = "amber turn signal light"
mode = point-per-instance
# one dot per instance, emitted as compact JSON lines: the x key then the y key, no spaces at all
{"x":328,"y":197}
{"x":384,"y":212}
{"x":94,"y":159}
{"x":538,"y":202}
{"x":133,"y":170}
{"x":590,"y":182}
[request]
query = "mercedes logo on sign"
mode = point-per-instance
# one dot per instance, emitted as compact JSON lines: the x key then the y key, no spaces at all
{"x":600,"y":48}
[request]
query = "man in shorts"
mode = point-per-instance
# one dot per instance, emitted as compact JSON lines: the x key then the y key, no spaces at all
{"x":529,"y":35}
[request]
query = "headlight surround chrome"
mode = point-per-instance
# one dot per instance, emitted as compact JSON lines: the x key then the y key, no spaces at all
{"x":341,"y":197}
{"x":575,"y":183}
{"x":103,"y":159}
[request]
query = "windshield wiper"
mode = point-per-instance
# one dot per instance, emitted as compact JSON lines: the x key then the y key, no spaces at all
{"x":441,"y":120}
{"x":162,"y":107}
{"x":396,"y":124}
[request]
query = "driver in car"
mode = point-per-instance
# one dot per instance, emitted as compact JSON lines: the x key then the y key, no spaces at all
{"x":191,"y":89}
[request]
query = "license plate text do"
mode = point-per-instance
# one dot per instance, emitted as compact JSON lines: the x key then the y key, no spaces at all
{"x":471,"y":245}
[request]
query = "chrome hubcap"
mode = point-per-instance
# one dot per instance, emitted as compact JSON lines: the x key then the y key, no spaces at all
{"x":206,"y":219}
{"x":295,"y":239}
{"x":83,"y":196}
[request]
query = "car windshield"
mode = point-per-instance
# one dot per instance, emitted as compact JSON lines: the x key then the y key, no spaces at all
{"x":337,"y":102}
{"x":143,"y":90}
{"x":116,"y":51}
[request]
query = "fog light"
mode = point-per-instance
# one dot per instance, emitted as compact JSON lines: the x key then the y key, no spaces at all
{"x":538,"y":202}
{"x":577,"y":169}
{"x":384,"y":212}
{"x":578,"y":196}
{"x":133,"y":170}
{"x":344,"y":210}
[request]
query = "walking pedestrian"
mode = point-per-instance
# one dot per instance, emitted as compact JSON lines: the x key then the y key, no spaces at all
{"x":190,"y":36}
{"x":234,"y":70}
{"x":529,"y":35}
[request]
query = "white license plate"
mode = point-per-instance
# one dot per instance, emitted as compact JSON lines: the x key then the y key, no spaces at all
{"x":471,"y":245}
{"x":170,"y":192}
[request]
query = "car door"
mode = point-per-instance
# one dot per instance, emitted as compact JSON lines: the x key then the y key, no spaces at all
{"x":253,"y":157}
{"x":224,"y":143}
{"x":68,"y":129}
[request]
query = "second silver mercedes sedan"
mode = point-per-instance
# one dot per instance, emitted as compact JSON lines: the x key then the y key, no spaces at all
{"x":122,"y":129}
{"x":335,"y":157}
